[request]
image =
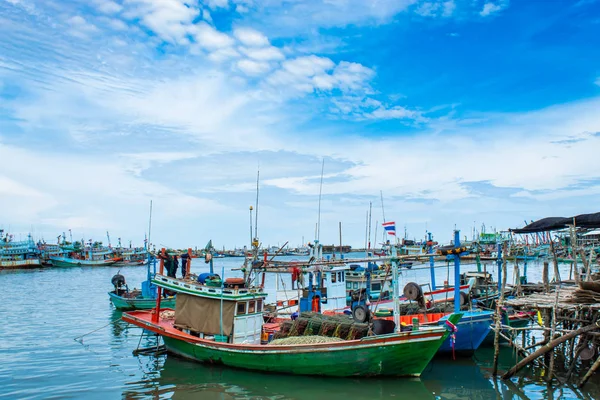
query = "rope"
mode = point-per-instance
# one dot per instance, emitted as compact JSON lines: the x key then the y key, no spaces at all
{"x":78,"y":338}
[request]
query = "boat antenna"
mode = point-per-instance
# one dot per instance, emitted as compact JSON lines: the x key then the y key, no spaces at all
{"x":370,"y":209}
{"x":256,"y":210}
{"x":320,"y":193}
{"x":251,"y":225}
{"x":150,"y":226}
{"x":382,"y":209}
{"x":383,"y":212}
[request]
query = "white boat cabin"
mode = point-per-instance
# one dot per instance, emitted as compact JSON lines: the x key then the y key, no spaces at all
{"x":286,"y":290}
{"x":231,"y":315}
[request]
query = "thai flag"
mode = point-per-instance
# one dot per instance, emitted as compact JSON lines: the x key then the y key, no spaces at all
{"x":390,"y":228}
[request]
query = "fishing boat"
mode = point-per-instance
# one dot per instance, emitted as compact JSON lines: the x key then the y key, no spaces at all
{"x":378,"y":281}
{"x":91,"y":255}
{"x":224,"y":325}
{"x":137,"y":299}
{"x":18,"y":254}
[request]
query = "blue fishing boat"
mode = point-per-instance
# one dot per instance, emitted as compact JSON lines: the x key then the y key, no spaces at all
{"x":90,"y":255}
{"x":471,"y":331}
{"x":18,"y":254}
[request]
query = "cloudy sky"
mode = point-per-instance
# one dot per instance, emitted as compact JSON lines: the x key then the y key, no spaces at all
{"x":461,"y":112}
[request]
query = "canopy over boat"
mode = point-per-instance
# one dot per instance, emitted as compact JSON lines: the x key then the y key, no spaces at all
{"x":590,"y":221}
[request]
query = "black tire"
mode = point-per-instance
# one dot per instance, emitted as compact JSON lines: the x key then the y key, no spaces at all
{"x":361,"y":314}
{"x":464,"y":298}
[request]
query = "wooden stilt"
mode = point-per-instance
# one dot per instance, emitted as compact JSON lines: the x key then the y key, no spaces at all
{"x":498,"y":315}
{"x":551,"y":345}
{"x":545,"y":277}
{"x":590,"y":372}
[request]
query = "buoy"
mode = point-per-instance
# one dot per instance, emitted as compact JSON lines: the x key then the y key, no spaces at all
{"x":264,"y":338}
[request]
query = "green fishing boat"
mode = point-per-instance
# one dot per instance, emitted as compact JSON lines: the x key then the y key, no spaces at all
{"x":224,"y":325}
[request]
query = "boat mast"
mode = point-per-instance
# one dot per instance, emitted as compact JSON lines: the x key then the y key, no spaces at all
{"x":256,"y":210}
{"x":147,"y":246}
{"x":383,"y":212}
{"x":320,"y":193}
{"x":370,"y":209}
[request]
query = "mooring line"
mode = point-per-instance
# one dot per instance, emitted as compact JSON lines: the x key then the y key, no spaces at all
{"x":78,"y":338}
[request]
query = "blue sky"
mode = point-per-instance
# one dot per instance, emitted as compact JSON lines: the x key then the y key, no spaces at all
{"x":462,"y":112}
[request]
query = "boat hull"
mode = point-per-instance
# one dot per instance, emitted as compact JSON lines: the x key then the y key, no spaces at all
{"x":473,"y":327}
{"x":402,"y":354}
{"x":20,"y":264}
{"x":136,"y":303}
{"x":72,"y":262}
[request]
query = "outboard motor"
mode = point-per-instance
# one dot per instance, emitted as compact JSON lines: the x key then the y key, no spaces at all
{"x":118,"y":282}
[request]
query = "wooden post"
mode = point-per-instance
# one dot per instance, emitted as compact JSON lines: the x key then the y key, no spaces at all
{"x":555,"y":262}
{"x":588,"y":274}
{"x":155,"y":317}
{"x":590,"y":372}
{"x":188,"y":265}
{"x":517,"y":274}
{"x":551,"y":345}
{"x":545,"y":277}
{"x":574,"y":252}
{"x":498,"y":314}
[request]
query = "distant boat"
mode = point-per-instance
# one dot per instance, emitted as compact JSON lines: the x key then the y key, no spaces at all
{"x":18,"y":255}
{"x":92,"y":255}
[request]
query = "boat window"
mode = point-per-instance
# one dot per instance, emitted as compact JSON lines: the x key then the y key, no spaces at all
{"x":259,"y":305}
{"x":251,"y":307}
{"x":333,"y":277}
{"x":376,"y":286}
{"x":348,"y":285}
{"x":355,"y":285}
{"x":241,"y":308}
{"x":341,"y":276}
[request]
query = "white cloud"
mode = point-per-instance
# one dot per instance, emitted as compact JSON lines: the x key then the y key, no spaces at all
{"x":270,"y":53}
{"x":490,"y":8}
{"x":223,"y":54}
{"x":448,"y":8}
{"x":210,"y":38}
{"x":218,"y":4}
{"x":169,"y":19}
{"x":251,"y":67}
{"x":396,"y":112}
{"x":309,"y":73}
{"x":108,"y":6}
{"x":81,"y":28}
{"x":250,"y":37}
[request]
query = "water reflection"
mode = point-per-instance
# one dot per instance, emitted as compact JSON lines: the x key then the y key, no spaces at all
{"x":182,"y":379}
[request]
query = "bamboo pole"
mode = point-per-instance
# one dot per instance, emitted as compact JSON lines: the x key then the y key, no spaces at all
{"x":545,"y":277}
{"x":551,"y":345}
{"x":555,"y":262}
{"x":551,"y":367}
{"x":498,"y":314}
{"x":590,"y":372}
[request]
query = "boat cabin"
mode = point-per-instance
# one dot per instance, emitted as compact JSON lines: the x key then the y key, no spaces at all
{"x":295,"y":291}
{"x":378,"y":283}
{"x":225,"y":314}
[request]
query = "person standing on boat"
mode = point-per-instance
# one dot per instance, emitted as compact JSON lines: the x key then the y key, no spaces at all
{"x":169,"y":264}
{"x":184,"y":262}
{"x":175,"y":266}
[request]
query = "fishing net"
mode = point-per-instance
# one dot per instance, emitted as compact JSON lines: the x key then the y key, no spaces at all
{"x":304,"y":340}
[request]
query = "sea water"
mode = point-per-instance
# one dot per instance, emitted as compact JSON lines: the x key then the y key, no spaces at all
{"x":61,"y":338}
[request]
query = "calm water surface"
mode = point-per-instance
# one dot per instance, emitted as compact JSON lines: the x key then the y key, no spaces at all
{"x":43,"y":311}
